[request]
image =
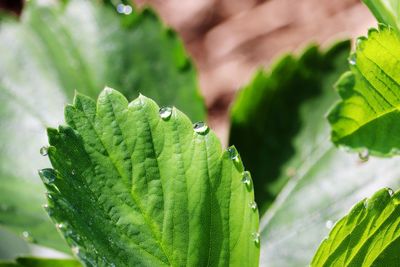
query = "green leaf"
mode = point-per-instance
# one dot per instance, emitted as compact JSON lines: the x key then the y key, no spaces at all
{"x":267,"y":115}
{"x":368,"y":236}
{"x":325,"y":183}
{"x":368,"y":115}
{"x":54,"y":50}
{"x":41,"y":262}
{"x":386,"y":11}
{"x":132,"y":187}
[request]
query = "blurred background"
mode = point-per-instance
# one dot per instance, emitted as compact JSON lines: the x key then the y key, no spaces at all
{"x":229,"y":39}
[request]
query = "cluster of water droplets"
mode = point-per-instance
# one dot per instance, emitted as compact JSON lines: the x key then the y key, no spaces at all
{"x":247,"y":181}
{"x":124,"y":9}
{"x":199,"y":127}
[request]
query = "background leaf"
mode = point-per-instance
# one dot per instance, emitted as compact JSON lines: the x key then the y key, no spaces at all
{"x":40,"y":262}
{"x":326,"y":184}
{"x":385,"y":11}
{"x":266,"y":116}
{"x":368,"y":116}
{"x":55,"y":50}
{"x":368,"y":236}
{"x":132,"y":187}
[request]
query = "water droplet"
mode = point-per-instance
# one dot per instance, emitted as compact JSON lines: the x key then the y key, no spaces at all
{"x":60,"y":226}
{"x":256,"y":238}
{"x":253,"y":205}
{"x":27,"y":237}
{"x":127,"y":10}
{"x":73,"y":172}
{"x":200,"y":127}
{"x":291,"y":172}
{"x":44,"y":150}
{"x":233,"y":154}
{"x":48,"y":175}
{"x":329,"y":224}
{"x":75,"y":250}
{"x":165,"y":113}
{"x":390,"y":191}
{"x":363,"y":155}
{"x":120,"y":8}
{"x":352,"y":59}
{"x":246,"y":178}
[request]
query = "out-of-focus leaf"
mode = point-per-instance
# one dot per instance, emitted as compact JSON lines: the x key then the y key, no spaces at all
{"x":368,"y":236}
{"x":55,"y":50}
{"x":267,"y":116}
{"x":41,"y":262}
{"x":385,"y":11}
{"x":326,"y":184}
{"x":136,"y":185}
{"x":368,"y":116}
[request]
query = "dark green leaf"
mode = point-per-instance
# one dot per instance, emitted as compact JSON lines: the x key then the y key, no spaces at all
{"x":268,"y":115}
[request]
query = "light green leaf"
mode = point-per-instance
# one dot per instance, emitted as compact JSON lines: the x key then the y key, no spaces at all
{"x":132,"y":187}
{"x":386,"y":11}
{"x":368,"y":236}
{"x":325,"y":184}
{"x":368,"y":115}
{"x":266,"y":116}
{"x":41,"y":262}
{"x":55,"y":50}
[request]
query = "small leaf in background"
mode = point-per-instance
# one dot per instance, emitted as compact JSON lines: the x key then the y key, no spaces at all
{"x":57,"y":49}
{"x":386,"y":11}
{"x":40,"y":262}
{"x":368,"y":116}
{"x":136,"y":185}
{"x":267,"y":116}
{"x":368,"y":236}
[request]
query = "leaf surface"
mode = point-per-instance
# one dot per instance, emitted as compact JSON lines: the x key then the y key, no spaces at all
{"x":132,"y":187}
{"x":368,"y":115}
{"x":368,"y":236}
{"x":385,"y":11}
{"x":266,"y":116}
{"x":54,"y":50}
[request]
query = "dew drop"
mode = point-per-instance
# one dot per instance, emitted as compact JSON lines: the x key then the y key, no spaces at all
{"x":363,"y":155}
{"x":352,"y":59}
{"x":75,"y":250}
{"x":44,"y":150}
{"x":256,"y":238}
{"x":60,"y":226}
{"x":246,"y":178}
{"x":253,"y":205}
{"x":48,"y":175}
{"x":127,"y":10}
{"x":233,"y":154}
{"x":165,"y":113}
{"x":329,"y":224}
{"x":120,"y":8}
{"x":200,"y":127}
{"x":27,"y":237}
{"x":390,"y":191}
{"x":73,"y":172}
